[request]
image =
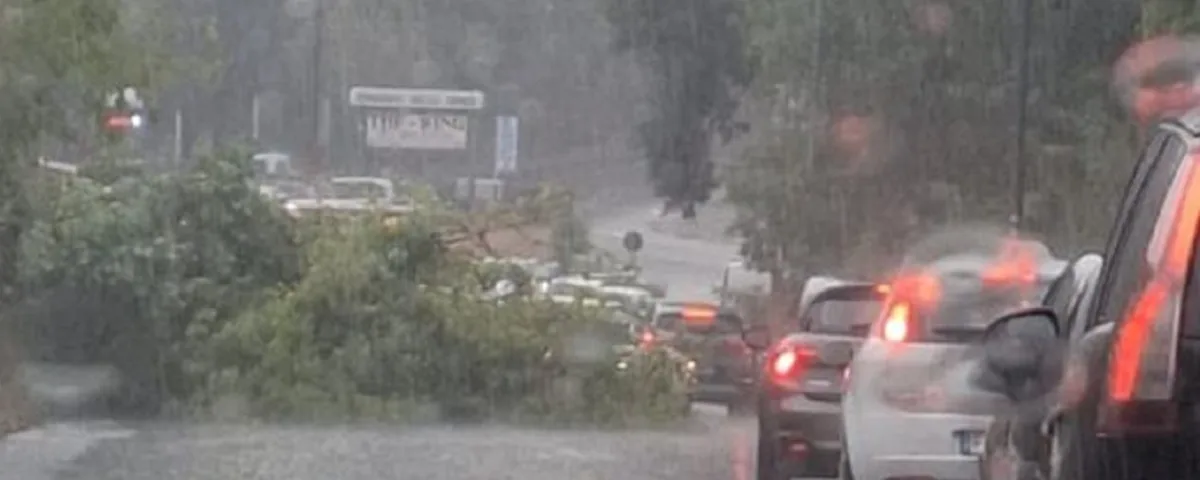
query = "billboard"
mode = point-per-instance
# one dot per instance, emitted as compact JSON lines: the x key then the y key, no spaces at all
{"x":426,"y":131}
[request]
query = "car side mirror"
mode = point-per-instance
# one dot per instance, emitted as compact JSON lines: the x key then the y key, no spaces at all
{"x":1016,"y":347}
{"x":756,"y":337}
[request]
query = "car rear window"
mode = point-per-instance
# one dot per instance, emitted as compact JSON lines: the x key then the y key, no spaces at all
{"x":844,"y":317}
{"x":963,"y":313}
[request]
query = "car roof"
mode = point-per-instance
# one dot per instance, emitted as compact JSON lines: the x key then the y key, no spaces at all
{"x":374,"y":180}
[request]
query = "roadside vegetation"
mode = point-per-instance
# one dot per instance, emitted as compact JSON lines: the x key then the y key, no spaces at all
{"x":214,"y":303}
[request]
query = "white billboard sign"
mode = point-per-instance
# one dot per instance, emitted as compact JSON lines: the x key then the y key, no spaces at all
{"x":416,"y":98}
{"x":412,"y":131}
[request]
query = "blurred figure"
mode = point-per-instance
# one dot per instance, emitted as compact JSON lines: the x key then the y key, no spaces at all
{"x":1157,"y":78}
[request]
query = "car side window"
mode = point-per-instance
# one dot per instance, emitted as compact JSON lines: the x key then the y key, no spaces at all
{"x":1126,"y":270}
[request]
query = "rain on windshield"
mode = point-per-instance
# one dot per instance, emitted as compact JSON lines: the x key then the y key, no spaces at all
{"x":178,"y":320}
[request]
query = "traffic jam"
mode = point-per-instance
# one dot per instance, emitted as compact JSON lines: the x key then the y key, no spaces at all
{"x":985,"y":356}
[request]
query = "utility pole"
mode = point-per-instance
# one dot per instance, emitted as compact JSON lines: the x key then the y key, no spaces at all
{"x":1019,"y":160}
{"x":316,"y":101}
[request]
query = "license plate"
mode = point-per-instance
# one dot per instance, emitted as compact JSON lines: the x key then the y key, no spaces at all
{"x":970,"y":442}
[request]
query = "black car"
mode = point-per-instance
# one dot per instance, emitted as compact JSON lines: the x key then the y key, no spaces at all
{"x":712,"y":337}
{"x":799,"y":402}
{"x":1015,"y":448}
{"x":1125,"y":395}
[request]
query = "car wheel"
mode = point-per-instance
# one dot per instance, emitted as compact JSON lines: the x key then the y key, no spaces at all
{"x":768,"y":466}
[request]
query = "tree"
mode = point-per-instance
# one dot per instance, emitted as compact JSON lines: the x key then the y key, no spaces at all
{"x":897,"y":117}
{"x":695,"y":57}
{"x":60,"y":58}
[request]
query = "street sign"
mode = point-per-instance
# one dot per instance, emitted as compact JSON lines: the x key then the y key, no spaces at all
{"x":632,"y":242}
{"x":507,"y":135}
{"x":416,"y":98}
{"x":424,"y":131}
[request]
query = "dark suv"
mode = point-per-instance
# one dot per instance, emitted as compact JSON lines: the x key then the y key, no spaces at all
{"x":1125,"y":394}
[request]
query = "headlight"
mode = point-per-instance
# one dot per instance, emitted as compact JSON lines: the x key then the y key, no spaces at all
{"x":622,"y":365}
{"x":690,"y":366}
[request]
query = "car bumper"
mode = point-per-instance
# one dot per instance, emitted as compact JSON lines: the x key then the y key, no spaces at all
{"x":815,"y":426}
{"x":906,"y":445}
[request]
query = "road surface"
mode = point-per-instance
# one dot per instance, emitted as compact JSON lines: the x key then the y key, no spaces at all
{"x":687,"y":256}
{"x":710,"y":447}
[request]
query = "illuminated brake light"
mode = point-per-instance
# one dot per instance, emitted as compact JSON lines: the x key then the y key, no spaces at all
{"x":1136,"y":372}
{"x":895,"y":325}
{"x":784,"y":363}
{"x":1016,"y":264}
{"x":698,"y":315}
{"x":789,"y":363}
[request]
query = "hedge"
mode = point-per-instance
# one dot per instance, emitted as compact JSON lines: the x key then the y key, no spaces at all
{"x":213,"y":302}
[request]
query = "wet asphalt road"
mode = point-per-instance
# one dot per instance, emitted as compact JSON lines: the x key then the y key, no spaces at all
{"x":710,"y":446}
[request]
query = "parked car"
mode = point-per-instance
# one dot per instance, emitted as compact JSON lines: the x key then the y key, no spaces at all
{"x":1126,"y":390}
{"x":910,"y":408}
{"x":354,"y":195}
{"x":800,"y":389}
{"x":1015,"y":448}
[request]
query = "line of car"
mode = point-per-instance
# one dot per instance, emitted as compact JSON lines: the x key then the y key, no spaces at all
{"x":1087,"y":371}
{"x":876,"y":381}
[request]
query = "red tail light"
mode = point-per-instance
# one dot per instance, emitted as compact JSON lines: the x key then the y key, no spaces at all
{"x":897,"y":322}
{"x":790,"y":362}
{"x":906,"y":296}
{"x":1141,"y":370}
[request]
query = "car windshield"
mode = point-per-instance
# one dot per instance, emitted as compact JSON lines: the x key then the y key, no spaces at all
{"x":270,"y":331}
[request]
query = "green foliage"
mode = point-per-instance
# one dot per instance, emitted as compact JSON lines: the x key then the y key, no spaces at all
{"x":210,"y":299}
{"x":936,"y":146}
{"x":697,"y":62}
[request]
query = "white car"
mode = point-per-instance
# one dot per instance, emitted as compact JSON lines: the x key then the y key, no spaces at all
{"x":355,"y":194}
{"x":909,"y":409}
